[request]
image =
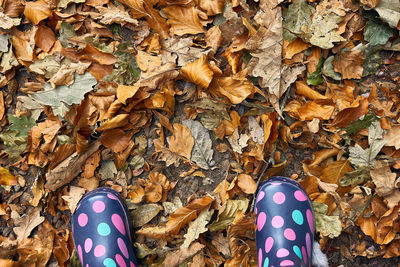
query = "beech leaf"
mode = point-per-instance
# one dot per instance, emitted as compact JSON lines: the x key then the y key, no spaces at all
{"x":197,"y":227}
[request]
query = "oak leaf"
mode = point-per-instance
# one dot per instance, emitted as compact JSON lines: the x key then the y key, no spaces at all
{"x":26,"y":223}
{"x":37,"y":11}
{"x":198,"y":72}
{"x":183,"y":20}
{"x":182,"y":141}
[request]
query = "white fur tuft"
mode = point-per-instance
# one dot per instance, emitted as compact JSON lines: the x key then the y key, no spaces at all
{"x":319,"y":259}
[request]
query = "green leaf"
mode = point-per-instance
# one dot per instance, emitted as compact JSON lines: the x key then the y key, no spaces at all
{"x":66,"y":31}
{"x":202,"y":151}
{"x":360,"y":124}
{"x":372,"y":59}
{"x":377,"y":33}
{"x":315,"y":78}
{"x":20,"y":125}
{"x":126,"y":70}
{"x":330,"y":226}
{"x":366,"y":157}
{"x":69,"y":95}
{"x":359,"y":176}
{"x":328,"y":70}
{"x":296,"y":16}
{"x":389,"y":11}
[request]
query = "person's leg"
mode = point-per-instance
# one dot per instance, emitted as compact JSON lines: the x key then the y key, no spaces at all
{"x":285,"y":224}
{"x":101,"y":229}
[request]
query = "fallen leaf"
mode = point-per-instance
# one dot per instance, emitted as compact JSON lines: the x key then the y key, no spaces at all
{"x":349,"y":64}
{"x":320,"y":109}
{"x":144,"y":214}
{"x":38,"y":191}
{"x":112,"y":14}
{"x":330,"y":226}
{"x":247,"y":183}
{"x":183,"y":20}
{"x":377,"y":33}
{"x":383,"y":178}
{"x":182,"y":141}
{"x":75,"y":195}
{"x":115,"y":139}
{"x":26,"y":223}
{"x":198,"y":72}
{"x":235,"y":90}
{"x":37,"y":11}
{"x":44,"y":38}
{"x":227,"y":214}
{"x":392,"y":137}
{"x":202,"y":152}
{"x":197,"y":227}
{"x":303,"y":89}
{"x":175,"y":258}
{"x":389,"y":12}
{"x":349,"y":115}
{"x":256,"y":132}
{"x":6,"y":178}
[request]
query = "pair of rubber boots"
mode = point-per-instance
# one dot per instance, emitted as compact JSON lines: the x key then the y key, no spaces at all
{"x":102,"y":228}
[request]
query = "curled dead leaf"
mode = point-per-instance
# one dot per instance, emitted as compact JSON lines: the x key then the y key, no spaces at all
{"x":37,"y":11}
{"x":183,"y":20}
{"x":198,"y":72}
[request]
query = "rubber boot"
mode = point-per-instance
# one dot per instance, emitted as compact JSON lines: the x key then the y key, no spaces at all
{"x":102,"y":230}
{"x":285,"y":224}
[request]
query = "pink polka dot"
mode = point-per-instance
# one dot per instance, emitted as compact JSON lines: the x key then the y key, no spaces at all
{"x":118,"y":223}
{"x":99,"y":250}
{"x":303,"y":252}
{"x":282,"y":252}
{"x":260,"y":196}
{"x":80,"y":253}
{"x":287,"y":263}
{"x":122,"y":247}
{"x":259,"y":257}
{"x":132,"y":265}
{"x":120,"y":260}
{"x":277,"y":222}
{"x":87,"y":265}
{"x":88,"y":244}
{"x":98,"y":206}
{"x":112,"y":196}
{"x":308,"y":244}
{"x":289,"y":234}
{"x":310,"y":220}
{"x":279,"y":197}
{"x":82,"y":219}
{"x":269,"y":242}
{"x":300,"y":196}
{"x":261,"y":218}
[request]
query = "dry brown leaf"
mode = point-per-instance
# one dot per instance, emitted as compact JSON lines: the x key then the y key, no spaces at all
{"x":392,"y":137}
{"x":303,"y":89}
{"x":91,"y":164}
{"x":349,"y":64}
{"x":198,"y":72}
{"x":93,"y":54}
{"x":75,"y":194}
{"x":293,"y":48}
{"x":214,"y":38}
{"x":383,"y":178}
{"x":320,"y":109}
{"x":26,"y":223}
{"x":184,"y":215}
{"x":370,"y":3}
{"x":313,"y":59}
{"x":246,"y":183}
{"x":13,"y":8}
{"x":118,"y":121}
{"x":136,"y":193}
{"x":90,"y":183}
{"x":38,"y":192}
{"x":183,"y":20}
{"x":348,"y":115}
{"x":175,"y":258}
{"x":67,"y":170}
{"x":46,"y":130}
{"x":37,"y":11}
{"x":115,"y":139}
{"x":235,"y":90}
{"x":182,"y":141}
{"x":65,"y":75}
{"x":211,"y":7}
{"x":44,"y":38}
{"x":2,"y":107}
{"x":22,"y":47}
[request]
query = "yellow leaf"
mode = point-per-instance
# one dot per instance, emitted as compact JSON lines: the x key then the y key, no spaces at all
{"x":183,"y":20}
{"x":303,"y":89}
{"x":6,"y":178}
{"x":198,"y":72}
{"x":246,"y":183}
{"x":235,"y":90}
{"x":182,"y":141}
{"x":37,"y":11}
{"x":126,"y":91}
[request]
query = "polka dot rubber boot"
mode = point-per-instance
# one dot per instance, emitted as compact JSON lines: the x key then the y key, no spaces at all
{"x":101,"y":228}
{"x":285,"y":224}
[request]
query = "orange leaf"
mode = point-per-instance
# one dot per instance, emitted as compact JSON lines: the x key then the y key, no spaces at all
{"x":247,"y":183}
{"x":303,"y":89}
{"x":93,"y":54}
{"x":116,"y":122}
{"x":198,"y":72}
{"x":183,"y":20}
{"x":235,"y":90}
{"x":211,"y":7}
{"x":184,"y":215}
{"x":182,"y":141}
{"x":294,"y":47}
{"x":125,"y":92}
{"x":44,"y":38}
{"x":23,"y":49}
{"x":37,"y":11}
{"x":320,"y":109}
{"x":348,"y":115}
{"x":349,"y":64}
{"x":313,"y":59}
{"x":2,"y":107}
{"x":6,"y":178}
{"x":115,"y":139}
{"x":136,"y":194}
{"x":335,"y":170}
